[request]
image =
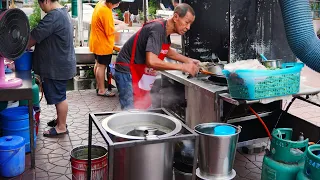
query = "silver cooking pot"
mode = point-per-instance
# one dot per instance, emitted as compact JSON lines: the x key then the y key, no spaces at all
{"x":277,"y":63}
{"x":143,"y":162}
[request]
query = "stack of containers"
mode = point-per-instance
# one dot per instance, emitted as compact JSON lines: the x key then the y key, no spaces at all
{"x":15,"y":122}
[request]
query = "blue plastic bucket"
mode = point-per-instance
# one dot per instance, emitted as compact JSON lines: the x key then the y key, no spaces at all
{"x":15,"y":121}
{"x":112,"y":68}
{"x":12,"y":156}
{"x":224,"y":130}
{"x":24,"y":63}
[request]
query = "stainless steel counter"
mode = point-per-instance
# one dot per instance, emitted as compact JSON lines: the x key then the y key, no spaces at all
{"x":199,"y":91}
{"x":201,"y":82}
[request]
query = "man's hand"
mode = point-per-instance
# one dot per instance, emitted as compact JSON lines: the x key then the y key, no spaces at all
{"x":195,"y":61}
{"x":190,"y":68}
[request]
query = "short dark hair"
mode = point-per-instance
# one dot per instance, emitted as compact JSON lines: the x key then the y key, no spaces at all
{"x":182,"y":9}
{"x":113,"y":1}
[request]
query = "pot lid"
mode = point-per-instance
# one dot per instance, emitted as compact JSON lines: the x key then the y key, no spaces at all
{"x":11,"y":142}
{"x":139,"y":125}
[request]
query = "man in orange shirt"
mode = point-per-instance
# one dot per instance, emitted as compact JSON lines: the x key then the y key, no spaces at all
{"x":102,"y":41}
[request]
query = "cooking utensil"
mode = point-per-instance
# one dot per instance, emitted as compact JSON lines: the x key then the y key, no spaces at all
{"x":263,"y":57}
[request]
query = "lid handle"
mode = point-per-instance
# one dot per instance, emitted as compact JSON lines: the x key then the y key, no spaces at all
{"x":9,"y":138}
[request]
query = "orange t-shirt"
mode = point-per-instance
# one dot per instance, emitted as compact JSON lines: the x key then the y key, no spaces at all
{"x":102,"y":30}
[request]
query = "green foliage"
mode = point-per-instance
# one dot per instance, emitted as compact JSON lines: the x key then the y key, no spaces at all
{"x":120,"y":14}
{"x":153,"y":6}
{"x":35,"y":17}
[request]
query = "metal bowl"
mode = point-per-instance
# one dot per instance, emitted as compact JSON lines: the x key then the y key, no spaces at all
{"x":84,"y":56}
{"x":277,"y":63}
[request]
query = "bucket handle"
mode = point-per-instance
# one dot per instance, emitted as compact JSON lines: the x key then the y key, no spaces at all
{"x":13,"y":154}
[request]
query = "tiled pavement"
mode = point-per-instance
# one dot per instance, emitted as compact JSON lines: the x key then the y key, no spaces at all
{"x":53,"y":154}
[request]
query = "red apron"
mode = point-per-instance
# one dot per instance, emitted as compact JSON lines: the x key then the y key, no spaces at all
{"x":142,"y":76}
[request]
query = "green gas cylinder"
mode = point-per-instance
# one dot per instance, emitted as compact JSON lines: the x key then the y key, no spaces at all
{"x":35,"y":93}
{"x":311,"y":170}
{"x":285,"y":158}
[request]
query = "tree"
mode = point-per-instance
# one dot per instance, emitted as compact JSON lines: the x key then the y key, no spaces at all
{"x":35,"y":17}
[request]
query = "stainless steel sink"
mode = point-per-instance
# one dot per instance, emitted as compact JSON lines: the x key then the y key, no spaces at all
{"x":84,"y":56}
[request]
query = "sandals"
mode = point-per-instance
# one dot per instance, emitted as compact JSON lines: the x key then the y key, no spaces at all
{"x":107,"y":94}
{"x":53,"y":123}
{"x":53,"y":132}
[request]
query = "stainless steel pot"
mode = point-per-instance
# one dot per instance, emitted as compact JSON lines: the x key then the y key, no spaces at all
{"x":143,"y":162}
{"x":216,"y":153}
{"x":121,"y":37}
{"x":84,"y":56}
{"x":273,"y":63}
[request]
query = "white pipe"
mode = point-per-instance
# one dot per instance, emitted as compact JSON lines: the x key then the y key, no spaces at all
{"x":80,"y":23}
{"x":147,"y":9}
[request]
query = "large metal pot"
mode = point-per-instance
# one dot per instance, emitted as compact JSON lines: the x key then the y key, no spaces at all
{"x":143,"y":162}
{"x":84,"y":56}
{"x":121,"y":37}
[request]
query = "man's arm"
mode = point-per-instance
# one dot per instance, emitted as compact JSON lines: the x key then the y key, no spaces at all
{"x":43,"y":30}
{"x":154,"y":62}
{"x":31,"y":42}
{"x":174,"y":55}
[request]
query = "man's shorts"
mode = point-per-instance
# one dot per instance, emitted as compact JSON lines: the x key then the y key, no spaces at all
{"x":54,"y":90}
{"x":103,"y":59}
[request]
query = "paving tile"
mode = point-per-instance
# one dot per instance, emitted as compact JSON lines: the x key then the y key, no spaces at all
{"x":59,"y":151}
{"x":250,"y":165}
{"x":58,"y":170}
{"x":54,"y":155}
{"x":256,"y":170}
{"x":42,"y":161}
{"x":241,"y":171}
{"x":46,"y":166}
{"x":52,"y":160}
{"x":254,"y":176}
{"x":42,"y":175}
{"x":54,"y":174}
{"x":41,"y":156}
{"x":54,"y":177}
{"x":62,"y":162}
{"x":258,"y":164}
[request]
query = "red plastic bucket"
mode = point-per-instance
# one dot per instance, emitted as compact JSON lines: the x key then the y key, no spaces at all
{"x":99,"y":163}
